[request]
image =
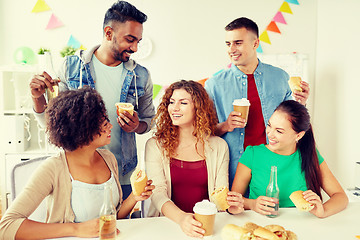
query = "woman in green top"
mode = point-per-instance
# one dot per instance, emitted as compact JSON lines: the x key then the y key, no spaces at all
{"x":292,"y":149}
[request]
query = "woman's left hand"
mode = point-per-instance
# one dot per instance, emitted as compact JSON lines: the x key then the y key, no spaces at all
{"x":148,"y":191}
{"x":236,"y":202}
{"x":313,"y":198}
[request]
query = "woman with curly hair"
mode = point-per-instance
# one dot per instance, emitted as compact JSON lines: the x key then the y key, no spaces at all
{"x":185,"y":159}
{"x":73,"y":180}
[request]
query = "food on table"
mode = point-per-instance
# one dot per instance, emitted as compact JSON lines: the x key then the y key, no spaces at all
{"x":301,"y":204}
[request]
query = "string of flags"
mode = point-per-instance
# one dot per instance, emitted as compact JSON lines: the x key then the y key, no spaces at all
{"x":278,"y":18}
{"x":55,"y":22}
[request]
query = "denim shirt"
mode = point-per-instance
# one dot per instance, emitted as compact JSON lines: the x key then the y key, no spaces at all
{"x":230,"y":84}
{"x":137,"y":89}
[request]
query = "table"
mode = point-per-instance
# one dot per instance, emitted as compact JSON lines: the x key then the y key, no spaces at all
{"x":343,"y":225}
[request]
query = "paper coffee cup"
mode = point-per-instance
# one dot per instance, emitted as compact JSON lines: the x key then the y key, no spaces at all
{"x":205,"y":212}
{"x":242,"y":106}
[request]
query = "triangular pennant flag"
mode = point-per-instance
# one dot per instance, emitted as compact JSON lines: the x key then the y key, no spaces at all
{"x":292,"y":1}
{"x":54,"y":22}
{"x":82,"y":47}
{"x":273,"y":27}
{"x":259,"y":49}
{"x":265,"y":37}
{"x":156,"y":90}
{"x":285,"y":8}
{"x":73,"y":42}
{"x":40,"y":6}
{"x":279,"y":18}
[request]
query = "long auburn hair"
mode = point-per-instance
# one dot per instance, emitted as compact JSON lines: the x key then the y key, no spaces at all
{"x":300,"y":121}
{"x":205,"y":120}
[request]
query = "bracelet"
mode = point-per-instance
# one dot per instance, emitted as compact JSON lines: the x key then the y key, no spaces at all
{"x":227,"y":210}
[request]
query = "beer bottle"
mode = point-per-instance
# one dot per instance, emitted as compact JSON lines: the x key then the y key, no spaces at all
{"x":107,"y":222}
{"x":272,"y":191}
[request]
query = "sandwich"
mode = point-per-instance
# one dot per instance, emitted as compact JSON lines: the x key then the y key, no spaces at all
{"x":124,"y":107}
{"x":250,"y":226}
{"x":138,"y":181}
{"x":278,"y":230}
{"x":263,"y":234}
{"x":234,"y":232}
{"x":301,"y":204}
{"x":294,"y":83}
{"x":218,"y":196}
{"x":290,"y":235}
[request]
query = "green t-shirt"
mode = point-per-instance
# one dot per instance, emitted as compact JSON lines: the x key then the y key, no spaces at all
{"x":290,"y":178}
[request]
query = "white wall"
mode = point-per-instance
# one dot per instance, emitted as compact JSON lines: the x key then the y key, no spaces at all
{"x":188,"y":43}
{"x":337,"y":85}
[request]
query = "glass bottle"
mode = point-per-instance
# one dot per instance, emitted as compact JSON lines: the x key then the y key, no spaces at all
{"x":49,"y":69}
{"x":107,"y":221}
{"x":272,"y":191}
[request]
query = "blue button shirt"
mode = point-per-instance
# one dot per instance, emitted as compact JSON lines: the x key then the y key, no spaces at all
{"x":229,"y":84}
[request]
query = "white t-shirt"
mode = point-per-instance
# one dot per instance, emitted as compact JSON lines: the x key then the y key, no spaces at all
{"x":109,"y":82}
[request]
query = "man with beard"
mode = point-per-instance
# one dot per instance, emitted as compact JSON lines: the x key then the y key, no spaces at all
{"x":109,"y":69}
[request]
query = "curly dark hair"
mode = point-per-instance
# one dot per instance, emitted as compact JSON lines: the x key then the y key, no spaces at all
{"x":122,"y":11}
{"x":205,"y":121}
{"x":75,"y":117}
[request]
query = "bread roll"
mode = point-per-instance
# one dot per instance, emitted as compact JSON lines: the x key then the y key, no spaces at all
{"x":290,"y":235}
{"x":294,"y":83}
{"x":218,"y":196}
{"x":250,"y":226}
{"x":278,"y":230}
{"x":124,"y":107}
{"x":234,"y":232}
{"x":301,"y":204}
{"x":263,"y":233}
{"x":138,"y":181}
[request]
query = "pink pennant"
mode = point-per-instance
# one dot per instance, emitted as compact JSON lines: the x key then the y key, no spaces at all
{"x":54,"y":22}
{"x":279,"y":18}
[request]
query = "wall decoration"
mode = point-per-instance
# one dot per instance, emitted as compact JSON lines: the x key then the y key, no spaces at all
{"x":272,"y":26}
{"x":40,"y":6}
{"x":54,"y":22}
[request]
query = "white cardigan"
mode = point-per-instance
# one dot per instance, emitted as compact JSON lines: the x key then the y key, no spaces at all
{"x":158,"y":170}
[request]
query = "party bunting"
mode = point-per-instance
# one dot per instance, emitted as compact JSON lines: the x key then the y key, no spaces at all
{"x":156,"y":90}
{"x":285,"y":8}
{"x":202,"y":81}
{"x":279,"y":18}
{"x":259,"y":49}
{"x":54,"y":22}
{"x":40,"y":6}
{"x":292,"y":1}
{"x":73,"y":42}
{"x":273,"y":27}
{"x":265,"y":37}
{"x":82,"y":47}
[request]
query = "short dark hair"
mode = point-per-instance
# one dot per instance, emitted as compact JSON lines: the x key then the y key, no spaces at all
{"x":243,"y":22}
{"x":75,"y":117}
{"x":122,"y":11}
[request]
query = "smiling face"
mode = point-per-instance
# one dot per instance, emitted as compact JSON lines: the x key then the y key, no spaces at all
{"x":281,"y":135}
{"x":241,"y":47}
{"x":124,"y":39}
{"x":105,"y":134}
{"x":181,"y":108}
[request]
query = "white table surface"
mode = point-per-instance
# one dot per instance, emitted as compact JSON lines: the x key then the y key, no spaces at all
{"x":341,"y":226}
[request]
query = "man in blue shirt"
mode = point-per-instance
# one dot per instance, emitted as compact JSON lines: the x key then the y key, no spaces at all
{"x":109,"y":69}
{"x":265,"y":86}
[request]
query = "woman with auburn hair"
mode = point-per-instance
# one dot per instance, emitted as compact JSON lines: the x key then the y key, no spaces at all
{"x":73,"y":180}
{"x":185,"y":160}
{"x":293,"y":150}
